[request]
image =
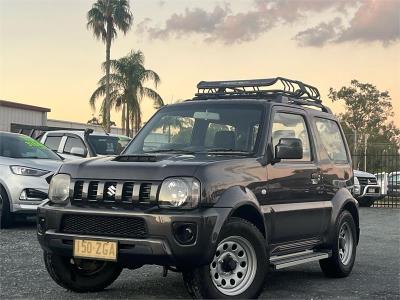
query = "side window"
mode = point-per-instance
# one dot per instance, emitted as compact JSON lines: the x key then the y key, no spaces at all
{"x":287,"y":125}
{"x":73,"y":142}
{"x":332,"y":139}
{"x":53,"y":142}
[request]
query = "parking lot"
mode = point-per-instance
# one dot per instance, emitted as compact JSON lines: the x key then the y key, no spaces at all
{"x":376,"y":273}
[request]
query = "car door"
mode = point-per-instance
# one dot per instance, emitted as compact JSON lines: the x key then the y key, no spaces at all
{"x":294,"y":188}
{"x":53,"y":141}
{"x":73,"y":141}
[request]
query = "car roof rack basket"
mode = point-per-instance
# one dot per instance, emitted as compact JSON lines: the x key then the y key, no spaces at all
{"x":290,"y":91}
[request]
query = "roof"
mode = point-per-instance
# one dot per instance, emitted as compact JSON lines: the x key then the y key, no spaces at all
{"x":23,"y":106}
{"x":81,"y":133}
{"x":278,"y":89}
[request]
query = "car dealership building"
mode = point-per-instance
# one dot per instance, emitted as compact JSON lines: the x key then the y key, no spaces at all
{"x":24,"y":118}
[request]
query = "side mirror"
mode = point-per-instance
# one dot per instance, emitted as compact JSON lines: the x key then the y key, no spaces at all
{"x":289,"y":148}
{"x":78,"y":151}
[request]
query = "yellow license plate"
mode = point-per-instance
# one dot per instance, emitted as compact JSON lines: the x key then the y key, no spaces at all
{"x":95,"y":249}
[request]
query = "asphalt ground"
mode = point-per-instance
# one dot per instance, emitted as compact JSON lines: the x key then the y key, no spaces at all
{"x":376,"y":273}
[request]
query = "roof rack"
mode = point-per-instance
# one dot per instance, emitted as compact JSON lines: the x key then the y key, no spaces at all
{"x":291,"y":91}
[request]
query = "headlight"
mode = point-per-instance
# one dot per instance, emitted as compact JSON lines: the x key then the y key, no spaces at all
{"x":357,"y":188}
{"x":179,"y":192}
{"x":25,"y":171}
{"x":59,"y":188}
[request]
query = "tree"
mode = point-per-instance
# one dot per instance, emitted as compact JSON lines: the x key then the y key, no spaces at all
{"x":127,"y":89}
{"x":104,"y":18}
{"x":367,"y":119}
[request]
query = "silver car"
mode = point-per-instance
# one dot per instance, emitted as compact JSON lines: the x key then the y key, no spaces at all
{"x":26,"y":167}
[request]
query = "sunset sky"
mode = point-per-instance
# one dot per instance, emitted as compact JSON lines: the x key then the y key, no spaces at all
{"x":48,"y":57}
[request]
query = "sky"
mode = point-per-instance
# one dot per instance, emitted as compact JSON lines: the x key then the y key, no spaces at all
{"x":49,"y":58}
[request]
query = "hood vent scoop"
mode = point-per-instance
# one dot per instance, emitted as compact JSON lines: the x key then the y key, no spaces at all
{"x":136,"y":158}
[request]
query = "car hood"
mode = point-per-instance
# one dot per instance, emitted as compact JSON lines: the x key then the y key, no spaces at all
{"x":144,"y":168}
{"x":359,"y":173}
{"x":43,"y":164}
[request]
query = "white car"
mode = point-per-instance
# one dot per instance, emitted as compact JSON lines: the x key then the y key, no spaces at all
{"x":75,"y":144}
{"x":26,"y":167}
{"x":366,"y":188}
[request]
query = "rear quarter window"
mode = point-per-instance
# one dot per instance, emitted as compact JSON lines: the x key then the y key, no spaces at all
{"x":332,"y":139}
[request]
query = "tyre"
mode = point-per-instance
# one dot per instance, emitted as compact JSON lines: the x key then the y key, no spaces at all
{"x":366,"y":201}
{"x":238,"y":267}
{"x":344,"y":248}
{"x":80,"y":275}
{"x":6,"y":217}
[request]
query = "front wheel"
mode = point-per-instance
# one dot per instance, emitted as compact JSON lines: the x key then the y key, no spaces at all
{"x":6,"y":216}
{"x":366,"y":201}
{"x":238,"y":267}
{"x":344,"y":248}
{"x":81,"y":275}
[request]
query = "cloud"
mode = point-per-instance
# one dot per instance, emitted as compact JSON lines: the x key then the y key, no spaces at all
{"x":319,"y":35}
{"x":374,"y":20}
{"x":191,"y":21}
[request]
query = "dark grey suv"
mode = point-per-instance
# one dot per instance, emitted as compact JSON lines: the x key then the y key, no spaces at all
{"x":247,"y":177}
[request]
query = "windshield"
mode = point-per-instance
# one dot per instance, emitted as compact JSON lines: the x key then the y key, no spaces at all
{"x":201,"y":128}
{"x":108,"y":145}
{"x":20,"y":146}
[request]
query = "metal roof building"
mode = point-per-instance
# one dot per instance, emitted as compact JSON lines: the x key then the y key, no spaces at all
{"x":32,"y":120}
{"x":18,"y":113}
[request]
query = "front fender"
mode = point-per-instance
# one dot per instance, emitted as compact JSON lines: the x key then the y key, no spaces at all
{"x":231,"y":201}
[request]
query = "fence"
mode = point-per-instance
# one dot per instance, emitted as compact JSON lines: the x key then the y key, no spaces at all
{"x":386,"y":167}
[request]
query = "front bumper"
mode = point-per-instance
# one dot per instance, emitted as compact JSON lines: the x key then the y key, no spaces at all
{"x":370,"y":191}
{"x":160,"y":245}
{"x":16,"y":184}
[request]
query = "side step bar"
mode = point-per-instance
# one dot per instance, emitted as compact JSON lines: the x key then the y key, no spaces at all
{"x":284,"y":261}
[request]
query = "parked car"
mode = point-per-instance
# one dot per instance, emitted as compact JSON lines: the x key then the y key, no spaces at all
{"x":366,"y":188}
{"x":26,"y":167}
{"x":394,"y":184}
{"x":247,"y":178}
{"x":75,"y":144}
{"x":382,"y":179}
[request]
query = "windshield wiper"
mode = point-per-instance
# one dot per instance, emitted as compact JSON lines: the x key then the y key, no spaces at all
{"x":171,"y":151}
{"x":228,"y":151}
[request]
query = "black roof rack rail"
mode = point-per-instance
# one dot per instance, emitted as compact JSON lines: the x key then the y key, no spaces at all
{"x":296,"y":91}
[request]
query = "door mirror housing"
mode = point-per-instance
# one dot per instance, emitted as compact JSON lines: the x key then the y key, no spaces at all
{"x":288,"y":148}
{"x":78,"y":151}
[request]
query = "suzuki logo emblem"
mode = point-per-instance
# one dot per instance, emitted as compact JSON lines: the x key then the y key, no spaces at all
{"x":111,"y":190}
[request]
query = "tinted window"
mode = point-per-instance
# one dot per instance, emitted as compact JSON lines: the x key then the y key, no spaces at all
{"x":107,"y":145}
{"x":286,"y":125}
{"x":19,"y":146}
{"x":201,"y":128}
{"x":332,"y":139}
{"x":73,"y":142}
{"x":53,"y":142}
{"x":170,"y":131}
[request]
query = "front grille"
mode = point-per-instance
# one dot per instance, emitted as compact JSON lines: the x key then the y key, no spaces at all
{"x":366,"y":180}
{"x":145,"y":191}
{"x":104,"y":226}
{"x":114,"y":192}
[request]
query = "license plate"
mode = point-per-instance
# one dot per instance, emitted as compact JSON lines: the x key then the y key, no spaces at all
{"x":371,"y":190}
{"x":95,"y":249}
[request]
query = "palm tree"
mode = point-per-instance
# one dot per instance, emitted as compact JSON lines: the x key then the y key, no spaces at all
{"x":127,"y":89}
{"x":104,"y":18}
